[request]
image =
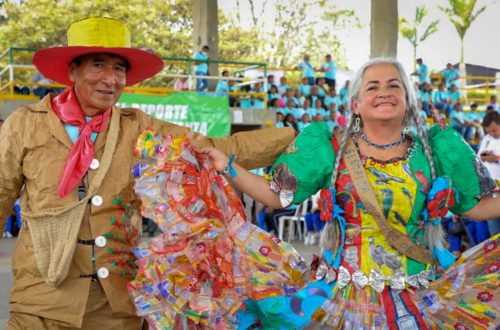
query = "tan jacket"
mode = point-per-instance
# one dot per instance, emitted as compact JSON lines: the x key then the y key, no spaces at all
{"x":33,"y":150}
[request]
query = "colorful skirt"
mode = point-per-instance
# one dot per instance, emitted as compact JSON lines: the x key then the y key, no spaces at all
{"x":465,"y":297}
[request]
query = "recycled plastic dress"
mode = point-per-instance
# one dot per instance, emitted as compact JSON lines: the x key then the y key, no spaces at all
{"x":375,"y":287}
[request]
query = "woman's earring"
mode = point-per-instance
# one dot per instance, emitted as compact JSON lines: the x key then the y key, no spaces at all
{"x":406,"y":124}
{"x":357,"y":126}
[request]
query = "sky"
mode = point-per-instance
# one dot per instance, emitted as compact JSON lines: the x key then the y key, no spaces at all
{"x":482,"y":45}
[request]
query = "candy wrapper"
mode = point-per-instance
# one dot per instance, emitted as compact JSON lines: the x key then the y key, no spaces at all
{"x":207,"y":259}
{"x":467,"y":295}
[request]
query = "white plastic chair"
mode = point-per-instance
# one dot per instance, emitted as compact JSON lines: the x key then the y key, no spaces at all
{"x":299,"y":217}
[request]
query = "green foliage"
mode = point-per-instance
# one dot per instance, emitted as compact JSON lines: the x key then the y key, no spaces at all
{"x":410,"y":31}
{"x":461,"y":14}
{"x":286,"y":29}
{"x":166,"y":26}
{"x":161,"y":25}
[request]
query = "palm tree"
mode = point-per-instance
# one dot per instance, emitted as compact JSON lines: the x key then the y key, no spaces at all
{"x":409,"y":31}
{"x":461,"y":14}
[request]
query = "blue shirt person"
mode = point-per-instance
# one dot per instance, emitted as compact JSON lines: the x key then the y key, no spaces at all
{"x":454,"y":95}
{"x":422,"y":72}
{"x":344,"y":93}
{"x":451,"y":75}
{"x":283,"y":86}
{"x":201,"y":68}
{"x":307,"y":69}
{"x":222,"y":85}
{"x":305,"y":88}
{"x":330,"y":70}
{"x":304,"y":122}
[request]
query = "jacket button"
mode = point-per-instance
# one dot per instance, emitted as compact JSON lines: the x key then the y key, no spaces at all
{"x":94,"y":165}
{"x":103,"y":272}
{"x":100,"y":241}
{"x":97,"y":200}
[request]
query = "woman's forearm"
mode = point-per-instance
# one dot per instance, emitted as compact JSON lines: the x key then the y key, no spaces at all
{"x":487,"y":208}
{"x":254,"y":186}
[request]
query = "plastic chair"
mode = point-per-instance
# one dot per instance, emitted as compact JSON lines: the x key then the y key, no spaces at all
{"x":299,"y":217}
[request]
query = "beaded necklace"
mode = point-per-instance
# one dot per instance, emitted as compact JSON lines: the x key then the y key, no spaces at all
{"x":369,"y":160}
{"x":383,"y":146}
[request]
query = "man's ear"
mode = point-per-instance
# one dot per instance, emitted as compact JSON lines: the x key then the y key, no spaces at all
{"x":71,"y":72}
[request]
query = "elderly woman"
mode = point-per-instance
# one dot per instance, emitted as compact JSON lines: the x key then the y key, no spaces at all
{"x":384,"y":192}
{"x":73,"y":154}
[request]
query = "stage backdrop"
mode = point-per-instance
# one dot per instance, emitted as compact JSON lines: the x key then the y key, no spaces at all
{"x":205,"y":113}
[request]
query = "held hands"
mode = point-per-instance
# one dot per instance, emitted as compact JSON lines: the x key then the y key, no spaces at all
{"x":219,"y":159}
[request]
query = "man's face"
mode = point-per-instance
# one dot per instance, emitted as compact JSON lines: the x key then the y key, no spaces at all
{"x":493,"y":130}
{"x":99,"y":82}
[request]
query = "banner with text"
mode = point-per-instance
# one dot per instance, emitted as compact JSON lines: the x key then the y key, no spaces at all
{"x":205,"y":113}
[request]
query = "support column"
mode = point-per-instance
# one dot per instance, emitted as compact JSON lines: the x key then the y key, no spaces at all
{"x":384,"y":28}
{"x":205,"y":32}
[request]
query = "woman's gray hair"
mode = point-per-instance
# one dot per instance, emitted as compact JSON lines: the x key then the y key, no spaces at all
{"x":329,"y":239}
{"x":412,"y":110}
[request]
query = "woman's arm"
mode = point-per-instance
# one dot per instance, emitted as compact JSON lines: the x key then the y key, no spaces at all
{"x":487,"y":208}
{"x":251,"y":184}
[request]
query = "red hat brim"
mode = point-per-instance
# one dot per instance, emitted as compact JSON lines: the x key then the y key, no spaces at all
{"x":53,"y":63}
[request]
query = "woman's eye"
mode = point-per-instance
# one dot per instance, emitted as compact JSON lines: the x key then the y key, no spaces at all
{"x":394,"y":86}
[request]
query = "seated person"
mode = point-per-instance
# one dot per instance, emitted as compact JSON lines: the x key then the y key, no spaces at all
{"x":181,"y":84}
{"x":222,"y":84}
{"x":314,"y":225}
{"x":41,"y":91}
{"x":305,"y":88}
{"x":304,"y":122}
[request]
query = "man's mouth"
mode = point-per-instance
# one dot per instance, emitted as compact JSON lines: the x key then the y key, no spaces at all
{"x":107,"y":92}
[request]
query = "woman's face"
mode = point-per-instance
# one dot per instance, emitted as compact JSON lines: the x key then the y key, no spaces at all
{"x":382,"y":96}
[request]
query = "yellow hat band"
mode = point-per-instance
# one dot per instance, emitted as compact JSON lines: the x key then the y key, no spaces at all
{"x":99,"y":32}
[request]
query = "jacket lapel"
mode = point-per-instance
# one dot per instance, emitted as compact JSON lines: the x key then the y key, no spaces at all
{"x":55,"y":125}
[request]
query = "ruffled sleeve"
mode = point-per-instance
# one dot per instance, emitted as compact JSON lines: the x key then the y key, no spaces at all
{"x":305,"y":167}
{"x":455,"y":159}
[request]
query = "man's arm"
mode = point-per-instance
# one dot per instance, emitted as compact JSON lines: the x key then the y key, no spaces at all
{"x":253,"y":149}
{"x":11,"y":177}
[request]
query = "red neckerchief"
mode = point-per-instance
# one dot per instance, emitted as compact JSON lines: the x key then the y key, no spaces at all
{"x":68,"y":110}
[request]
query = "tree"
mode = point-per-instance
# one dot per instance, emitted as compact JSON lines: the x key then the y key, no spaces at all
{"x":461,"y":14}
{"x":410,"y":31}
{"x":286,"y":29}
{"x":161,"y":25}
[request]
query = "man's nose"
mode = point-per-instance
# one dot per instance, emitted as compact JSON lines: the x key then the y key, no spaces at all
{"x":108,"y":75}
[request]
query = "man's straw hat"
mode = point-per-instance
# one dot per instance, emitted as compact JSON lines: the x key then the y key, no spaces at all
{"x":97,"y":35}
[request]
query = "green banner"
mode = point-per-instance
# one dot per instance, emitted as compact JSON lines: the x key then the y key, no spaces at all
{"x":205,"y":113}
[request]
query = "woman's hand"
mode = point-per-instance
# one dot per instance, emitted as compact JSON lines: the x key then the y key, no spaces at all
{"x":219,"y":159}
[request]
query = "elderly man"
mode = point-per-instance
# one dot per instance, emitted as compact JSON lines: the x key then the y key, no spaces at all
{"x":73,"y":154}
